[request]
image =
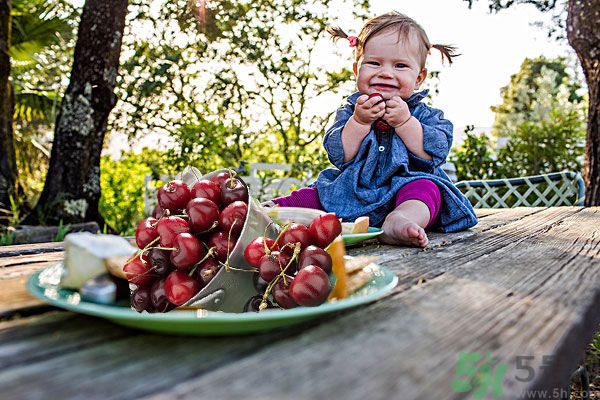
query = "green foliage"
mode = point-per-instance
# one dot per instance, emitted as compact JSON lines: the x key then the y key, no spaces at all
{"x":7,"y":237}
{"x":62,"y":231}
{"x":122,"y":184}
{"x":474,"y":158}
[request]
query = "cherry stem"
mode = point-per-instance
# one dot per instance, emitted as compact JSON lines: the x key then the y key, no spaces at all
{"x":228,"y":242}
{"x":209,"y":253}
{"x":141,"y":251}
{"x":263,"y":303}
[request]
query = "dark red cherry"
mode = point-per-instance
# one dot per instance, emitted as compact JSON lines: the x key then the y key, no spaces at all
{"x":140,"y":299}
{"x":233,"y":217}
{"x":221,"y":177}
{"x":208,"y":190}
{"x":203,"y":213}
{"x":146,"y":232}
{"x":157,"y":212}
{"x":310,"y":286}
{"x":180,"y":287}
{"x":325,"y":228}
{"x":272,"y":264}
{"x":281,"y":294}
{"x":233,"y":190}
{"x":223,"y":246}
{"x":188,"y":251}
{"x":169,"y":227}
{"x":257,"y":248}
{"x":313,"y":255}
{"x":139,"y":271}
{"x":173,"y":196}
{"x":160,"y":260}
{"x":158,"y":297}
{"x":207,"y":271}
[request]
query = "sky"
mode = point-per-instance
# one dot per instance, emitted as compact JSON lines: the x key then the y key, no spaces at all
{"x":493,"y":46}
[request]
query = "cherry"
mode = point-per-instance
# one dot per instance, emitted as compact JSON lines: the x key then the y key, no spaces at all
{"x":380,"y":124}
{"x":272,"y":264}
{"x":169,"y":227}
{"x":259,"y":283}
{"x":281,"y":294}
{"x":159,"y":298}
{"x":146,"y":232}
{"x":140,"y":299}
{"x":221,"y":177}
{"x":233,"y":217}
{"x":139,"y":272}
{"x":174,"y":195}
{"x":208,"y":190}
{"x":188,"y":251}
{"x":254,"y":302}
{"x":376,"y":95}
{"x":256,"y":249}
{"x":160,"y":260}
{"x":203,"y":214}
{"x":313,"y":255}
{"x":295,"y":233}
{"x":223,"y":246}
{"x":180,"y":287}
{"x":157,"y":212}
{"x":324,"y":229}
{"x":310,"y":287}
{"x":207,"y":271}
{"x":233,"y":190}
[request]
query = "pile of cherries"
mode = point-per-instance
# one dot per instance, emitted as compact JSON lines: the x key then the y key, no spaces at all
{"x":192,"y":233}
{"x":186,"y":241}
{"x":294,"y":268}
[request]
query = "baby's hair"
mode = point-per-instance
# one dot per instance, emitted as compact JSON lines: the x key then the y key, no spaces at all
{"x":405,"y":26}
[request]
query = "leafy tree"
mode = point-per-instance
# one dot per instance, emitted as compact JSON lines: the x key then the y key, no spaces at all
{"x":474,"y":158}
{"x":583,"y":19}
{"x":520,"y":99}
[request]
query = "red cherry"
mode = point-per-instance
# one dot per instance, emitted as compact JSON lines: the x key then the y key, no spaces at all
{"x":256,"y":249}
{"x":271,"y":265}
{"x":146,"y":232}
{"x":381,"y":125}
{"x":139,"y":272}
{"x":221,"y":177}
{"x":313,"y":255}
{"x":233,"y":217}
{"x":310,"y":287}
{"x":188,"y":251}
{"x":376,"y":95}
{"x":207,"y":271}
{"x":281,"y":294}
{"x":169,"y":227}
{"x":208,"y":190}
{"x":233,"y":190}
{"x":180,"y":287}
{"x":157,"y":212}
{"x":295,"y":233}
{"x":160,"y":261}
{"x":223,"y":246}
{"x":174,"y":196}
{"x":140,"y":299}
{"x":203,"y":214}
{"x":324,"y":229}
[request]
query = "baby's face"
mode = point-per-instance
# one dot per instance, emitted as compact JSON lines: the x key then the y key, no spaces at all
{"x":389,"y":67}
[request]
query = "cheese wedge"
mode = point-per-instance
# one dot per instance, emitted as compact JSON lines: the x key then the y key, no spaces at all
{"x":361,"y":225}
{"x":88,"y":256}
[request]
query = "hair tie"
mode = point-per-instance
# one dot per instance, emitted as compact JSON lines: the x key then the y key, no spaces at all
{"x":353,"y":40}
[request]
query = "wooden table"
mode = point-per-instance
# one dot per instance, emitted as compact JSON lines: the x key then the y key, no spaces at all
{"x":523,"y":286}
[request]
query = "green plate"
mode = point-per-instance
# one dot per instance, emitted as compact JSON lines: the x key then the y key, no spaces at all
{"x":351,"y":239}
{"x":43,"y":285}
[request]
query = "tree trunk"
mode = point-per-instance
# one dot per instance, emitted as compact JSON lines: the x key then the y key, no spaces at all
{"x":8,"y":161}
{"x":583,"y":22}
{"x":72,"y":188}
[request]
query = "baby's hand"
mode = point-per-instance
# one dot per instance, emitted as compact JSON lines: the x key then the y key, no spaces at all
{"x":396,"y":112}
{"x":367,"y":109}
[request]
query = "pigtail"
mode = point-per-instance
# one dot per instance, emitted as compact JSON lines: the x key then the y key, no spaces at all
{"x":447,"y":51}
{"x":336,"y":33}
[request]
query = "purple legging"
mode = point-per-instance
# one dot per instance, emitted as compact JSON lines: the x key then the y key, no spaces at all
{"x":420,"y":189}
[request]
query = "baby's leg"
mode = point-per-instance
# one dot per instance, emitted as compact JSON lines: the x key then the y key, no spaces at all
{"x":307,"y":197}
{"x":417,"y":207}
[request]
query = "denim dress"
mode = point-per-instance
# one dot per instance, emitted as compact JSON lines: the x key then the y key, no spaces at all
{"x":367,"y":184}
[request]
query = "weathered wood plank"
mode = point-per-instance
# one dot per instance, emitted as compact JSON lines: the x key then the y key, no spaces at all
{"x":530,"y":289}
{"x":24,"y":249}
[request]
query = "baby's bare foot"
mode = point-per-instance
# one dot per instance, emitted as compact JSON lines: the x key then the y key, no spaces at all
{"x":399,"y":230}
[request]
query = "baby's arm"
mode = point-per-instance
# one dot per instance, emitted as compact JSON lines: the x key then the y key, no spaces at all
{"x":366,"y":111}
{"x":407,"y":127}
